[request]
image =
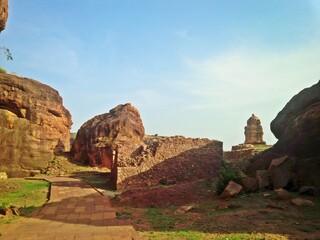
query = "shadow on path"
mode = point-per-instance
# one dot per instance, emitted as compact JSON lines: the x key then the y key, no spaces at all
{"x":75,"y":211}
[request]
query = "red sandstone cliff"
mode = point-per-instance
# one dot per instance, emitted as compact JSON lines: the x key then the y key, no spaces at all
{"x":34,"y":125}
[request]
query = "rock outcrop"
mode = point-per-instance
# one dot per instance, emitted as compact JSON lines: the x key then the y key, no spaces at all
{"x":297,"y":127}
{"x":116,"y":140}
{"x":34,"y":125}
{"x":3,"y":14}
{"x":99,"y":139}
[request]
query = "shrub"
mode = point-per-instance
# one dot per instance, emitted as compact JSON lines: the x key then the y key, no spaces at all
{"x":227,"y":174}
{"x":2,"y":70}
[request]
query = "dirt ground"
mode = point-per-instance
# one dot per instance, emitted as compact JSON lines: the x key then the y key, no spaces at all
{"x":195,"y":207}
{"x":161,"y":209}
{"x":249,"y":213}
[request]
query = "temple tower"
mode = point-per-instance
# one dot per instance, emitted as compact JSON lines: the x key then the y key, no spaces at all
{"x":253,"y":131}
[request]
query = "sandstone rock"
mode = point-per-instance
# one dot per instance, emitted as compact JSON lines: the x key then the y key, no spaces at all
{"x":15,"y":210}
{"x":302,"y":202}
{"x":254,"y":131}
{"x":118,"y":132}
{"x":250,"y":184}
{"x":275,"y":206}
{"x":280,"y":172}
{"x":3,"y":175}
{"x":232,"y":189}
{"x":3,"y":14}
{"x":223,"y":206}
{"x":307,"y":190}
{"x":263,"y":178}
{"x":6,"y":212}
{"x":184,"y":209}
{"x":34,"y":125}
{"x":297,"y":127}
{"x":282,"y":194}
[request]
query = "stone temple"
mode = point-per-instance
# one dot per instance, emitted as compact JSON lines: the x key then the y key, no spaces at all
{"x":253,"y":131}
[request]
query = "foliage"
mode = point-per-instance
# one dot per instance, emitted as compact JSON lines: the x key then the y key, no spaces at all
{"x":227,"y":174}
{"x":6,"y":52}
{"x":2,"y":70}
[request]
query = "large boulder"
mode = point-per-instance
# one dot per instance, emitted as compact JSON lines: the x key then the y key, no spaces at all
{"x":99,"y":138}
{"x":34,"y":125}
{"x":297,"y":127}
{"x":3,"y":14}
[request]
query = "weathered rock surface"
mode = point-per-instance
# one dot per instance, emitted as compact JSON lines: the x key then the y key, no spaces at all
{"x":282,"y":194}
{"x":3,"y":14}
{"x":34,"y":125}
{"x":302,"y":202}
{"x":3,"y":175}
{"x":280,"y":172}
{"x":120,"y":130}
{"x":231,"y":190}
{"x":116,"y":140}
{"x":297,"y":127}
{"x":250,"y":184}
{"x":263,"y":178}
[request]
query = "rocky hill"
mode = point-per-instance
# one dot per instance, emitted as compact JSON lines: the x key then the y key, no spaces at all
{"x":34,"y":125}
{"x":297,"y":127}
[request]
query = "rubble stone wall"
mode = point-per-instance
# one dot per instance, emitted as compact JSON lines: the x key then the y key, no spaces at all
{"x":168,"y":159}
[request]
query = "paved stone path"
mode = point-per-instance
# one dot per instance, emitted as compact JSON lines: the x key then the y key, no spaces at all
{"x":75,"y":211}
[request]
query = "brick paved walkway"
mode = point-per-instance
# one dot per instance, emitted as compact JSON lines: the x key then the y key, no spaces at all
{"x":76,"y":211}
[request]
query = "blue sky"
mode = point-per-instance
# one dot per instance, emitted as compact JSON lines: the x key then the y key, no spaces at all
{"x":197,"y":68}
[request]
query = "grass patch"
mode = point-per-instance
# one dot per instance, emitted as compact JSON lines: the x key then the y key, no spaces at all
{"x":161,"y":221}
{"x":24,"y":194}
{"x":191,"y":235}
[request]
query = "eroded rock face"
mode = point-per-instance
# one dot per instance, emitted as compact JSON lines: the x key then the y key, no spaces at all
{"x":99,"y":138}
{"x":34,"y":125}
{"x":297,"y":127}
{"x":3,"y":14}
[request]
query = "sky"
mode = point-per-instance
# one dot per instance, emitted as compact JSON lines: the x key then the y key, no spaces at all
{"x":196,"y":68}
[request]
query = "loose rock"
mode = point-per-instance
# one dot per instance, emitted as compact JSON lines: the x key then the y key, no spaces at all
{"x":302,"y":202}
{"x":231,"y":190}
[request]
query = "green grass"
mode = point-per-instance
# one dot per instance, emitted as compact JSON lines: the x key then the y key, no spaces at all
{"x":27,"y":195}
{"x":191,"y":235}
{"x":161,"y":221}
{"x":261,"y":148}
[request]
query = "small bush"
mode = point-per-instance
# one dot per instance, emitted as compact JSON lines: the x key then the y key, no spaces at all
{"x":227,"y":174}
{"x":2,"y":70}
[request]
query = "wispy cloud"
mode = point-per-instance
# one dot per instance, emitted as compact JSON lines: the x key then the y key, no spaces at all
{"x":242,"y":76}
